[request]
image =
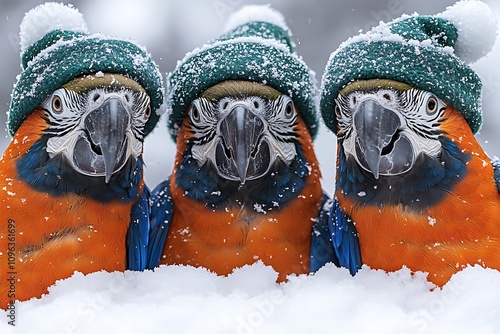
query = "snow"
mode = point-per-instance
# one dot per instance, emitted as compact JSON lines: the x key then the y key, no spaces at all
{"x":381,"y":32}
{"x":249,"y":39}
{"x":477,"y":29}
{"x":179,"y":299}
{"x":49,"y":17}
{"x":254,"y":13}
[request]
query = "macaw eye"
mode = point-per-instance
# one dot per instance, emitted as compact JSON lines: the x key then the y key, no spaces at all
{"x":195,"y":114}
{"x":289,"y":109}
{"x":148,"y":111}
{"x":432,"y":105}
{"x":57,"y":105}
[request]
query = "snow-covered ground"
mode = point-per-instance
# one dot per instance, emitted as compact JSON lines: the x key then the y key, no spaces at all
{"x":192,"y":300}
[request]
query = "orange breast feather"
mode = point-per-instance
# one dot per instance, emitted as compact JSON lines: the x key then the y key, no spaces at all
{"x":227,"y":239}
{"x":45,"y":238}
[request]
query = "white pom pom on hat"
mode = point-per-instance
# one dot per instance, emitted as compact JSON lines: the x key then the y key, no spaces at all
{"x":256,"y":13}
{"x":48,"y":17}
{"x":477,"y":28}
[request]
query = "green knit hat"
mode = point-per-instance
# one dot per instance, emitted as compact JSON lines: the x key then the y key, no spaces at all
{"x":257,"y":47}
{"x":56,"y":48}
{"x":427,"y":52}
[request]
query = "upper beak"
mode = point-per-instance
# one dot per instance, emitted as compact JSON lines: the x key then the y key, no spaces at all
{"x":376,"y":128}
{"x":241,"y":153}
{"x":107,"y":126}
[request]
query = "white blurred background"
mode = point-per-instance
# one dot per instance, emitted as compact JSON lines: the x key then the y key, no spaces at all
{"x":169,"y":29}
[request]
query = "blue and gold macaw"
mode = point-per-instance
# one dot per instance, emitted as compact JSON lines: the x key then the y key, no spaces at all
{"x":71,"y":178}
{"x":246,"y":182}
{"x":413,"y":186}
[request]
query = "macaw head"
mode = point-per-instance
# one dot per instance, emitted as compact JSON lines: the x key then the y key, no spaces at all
{"x":81,"y":107}
{"x":404,"y":102}
{"x":386,"y":125}
{"x":243,"y":112}
{"x":395,"y":142}
{"x":243,"y":136}
{"x":243,"y":129}
{"x":97,"y":123}
{"x":93,"y":136}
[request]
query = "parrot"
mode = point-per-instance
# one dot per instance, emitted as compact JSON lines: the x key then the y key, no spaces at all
{"x":71,"y":183}
{"x":414,"y":187}
{"x":245,"y":186}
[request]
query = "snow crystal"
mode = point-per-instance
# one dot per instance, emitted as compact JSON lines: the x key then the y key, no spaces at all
{"x":361,"y":194}
{"x":184,"y":231}
{"x":432,"y":221}
{"x":49,"y":17}
{"x":477,"y":28}
{"x":258,"y":208}
{"x":256,"y":13}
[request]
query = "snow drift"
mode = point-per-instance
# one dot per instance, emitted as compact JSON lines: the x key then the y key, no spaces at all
{"x":175,"y":299}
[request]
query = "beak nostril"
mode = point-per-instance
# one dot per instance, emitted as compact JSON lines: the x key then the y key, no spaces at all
{"x":96,"y":97}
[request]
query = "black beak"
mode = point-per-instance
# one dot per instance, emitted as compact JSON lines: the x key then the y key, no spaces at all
{"x":241,"y":153}
{"x":377,"y":129}
{"x":107,"y":126}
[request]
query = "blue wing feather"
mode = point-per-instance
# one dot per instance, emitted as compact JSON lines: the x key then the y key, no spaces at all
{"x":344,"y":239}
{"x":496,"y":169}
{"x":138,"y":233}
{"x":321,"y":243}
{"x":162,"y":207}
